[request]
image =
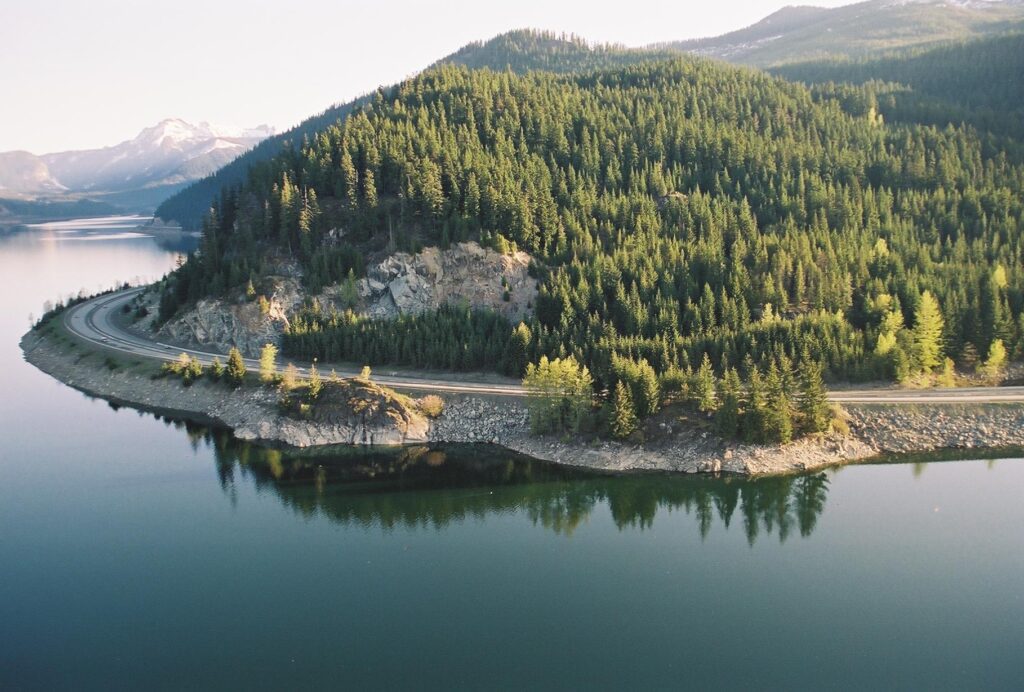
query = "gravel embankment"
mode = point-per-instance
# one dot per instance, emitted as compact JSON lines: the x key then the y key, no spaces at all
{"x":875,"y":429}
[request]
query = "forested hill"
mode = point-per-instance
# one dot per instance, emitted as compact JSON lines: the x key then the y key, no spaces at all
{"x":674,"y":208}
{"x":525,"y":50}
{"x":979,"y":82}
{"x":519,"y":51}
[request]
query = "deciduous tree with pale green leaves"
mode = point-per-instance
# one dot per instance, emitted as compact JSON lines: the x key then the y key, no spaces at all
{"x":928,"y":324}
{"x":995,"y":364}
{"x":560,"y":394}
{"x":268,"y":363}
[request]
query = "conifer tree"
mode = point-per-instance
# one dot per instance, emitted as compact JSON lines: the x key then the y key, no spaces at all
{"x":813,"y":407}
{"x":727,"y":418}
{"x":704,"y":386}
{"x":755,"y":414}
{"x":648,"y":400}
{"x":216,"y":369}
{"x":779,"y":419}
{"x":561,"y":394}
{"x":235,"y":370}
{"x":519,"y":348}
{"x":624,"y":419}
{"x":316,"y":384}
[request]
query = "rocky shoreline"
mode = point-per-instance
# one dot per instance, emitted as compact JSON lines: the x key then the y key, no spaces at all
{"x":874,"y":429}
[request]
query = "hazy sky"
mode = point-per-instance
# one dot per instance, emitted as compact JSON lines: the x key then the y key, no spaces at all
{"x":90,"y":73}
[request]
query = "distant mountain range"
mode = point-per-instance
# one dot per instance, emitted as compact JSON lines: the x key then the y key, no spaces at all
{"x":136,"y":173}
{"x":803,"y":33}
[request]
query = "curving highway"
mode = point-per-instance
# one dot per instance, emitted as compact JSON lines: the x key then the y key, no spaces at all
{"x":92,"y":321}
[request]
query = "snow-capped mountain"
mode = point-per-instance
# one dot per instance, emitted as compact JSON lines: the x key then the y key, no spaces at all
{"x":171,"y":152}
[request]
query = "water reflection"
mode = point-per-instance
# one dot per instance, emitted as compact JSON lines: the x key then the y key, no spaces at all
{"x":427,"y":486}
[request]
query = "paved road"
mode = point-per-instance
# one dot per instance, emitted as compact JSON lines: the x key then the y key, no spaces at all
{"x":92,"y":322}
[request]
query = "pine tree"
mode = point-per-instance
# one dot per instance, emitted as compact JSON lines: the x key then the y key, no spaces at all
{"x":235,"y":370}
{"x":779,"y":420}
{"x":316,"y":384}
{"x":519,"y":349}
{"x":815,"y":415}
{"x":704,"y":386}
{"x":727,"y":418}
{"x":369,"y":190}
{"x":648,"y":399}
{"x":755,"y":413}
{"x":624,"y":419}
{"x":349,"y":180}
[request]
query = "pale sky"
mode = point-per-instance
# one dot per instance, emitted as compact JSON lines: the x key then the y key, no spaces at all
{"x":90,"y":73}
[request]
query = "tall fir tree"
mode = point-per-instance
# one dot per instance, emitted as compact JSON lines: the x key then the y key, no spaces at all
{"x":624,"y":418}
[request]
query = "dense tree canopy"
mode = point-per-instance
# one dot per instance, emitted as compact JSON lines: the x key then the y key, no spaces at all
{"x":675,"y":209}
{"x":976,"y":82}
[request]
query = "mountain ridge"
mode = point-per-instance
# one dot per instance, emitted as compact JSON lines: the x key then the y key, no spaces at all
{"x":803,"y":32}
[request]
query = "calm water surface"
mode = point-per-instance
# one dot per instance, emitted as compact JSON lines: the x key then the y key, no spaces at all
{"x":139,"y":553}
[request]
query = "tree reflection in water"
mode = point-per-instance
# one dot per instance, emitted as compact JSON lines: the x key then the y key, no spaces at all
{"x":425,"y":486}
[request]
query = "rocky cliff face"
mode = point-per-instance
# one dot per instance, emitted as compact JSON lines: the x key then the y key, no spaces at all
{"x":465,"y":274}
{"x":402,"y":284}
{"x":247,"y":325}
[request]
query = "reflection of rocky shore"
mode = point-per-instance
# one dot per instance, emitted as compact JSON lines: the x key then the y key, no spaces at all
{"x":429,"y":487}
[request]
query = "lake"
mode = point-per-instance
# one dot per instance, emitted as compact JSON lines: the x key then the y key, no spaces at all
{"x":142,"y":553}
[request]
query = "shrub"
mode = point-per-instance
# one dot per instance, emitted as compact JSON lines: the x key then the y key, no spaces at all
{"x":187,"y":367}
{"x":290,"y":378}
{"x":216,"y":369}
{"x":431,"y":405}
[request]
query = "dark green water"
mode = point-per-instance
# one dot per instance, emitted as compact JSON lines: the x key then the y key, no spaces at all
{"x":138,"y":553}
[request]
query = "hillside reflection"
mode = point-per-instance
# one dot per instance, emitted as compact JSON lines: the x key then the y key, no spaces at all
{"x":428,"y":486}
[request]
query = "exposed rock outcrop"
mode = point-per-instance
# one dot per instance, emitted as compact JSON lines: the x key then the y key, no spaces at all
{"x":465,"y":274}
{"x":246,"y":324}
{"x":402,"y":284}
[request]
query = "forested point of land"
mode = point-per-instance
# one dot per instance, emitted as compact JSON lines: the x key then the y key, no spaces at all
{"x":674,"y":209}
